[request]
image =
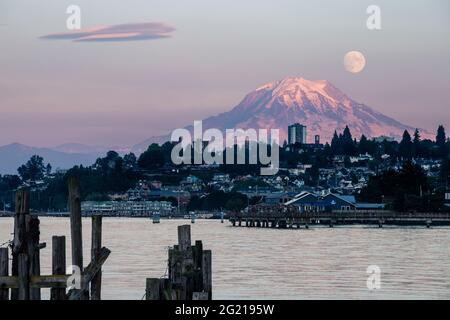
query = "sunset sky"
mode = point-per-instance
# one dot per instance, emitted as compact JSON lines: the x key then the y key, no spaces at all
{"x":198,"y":58}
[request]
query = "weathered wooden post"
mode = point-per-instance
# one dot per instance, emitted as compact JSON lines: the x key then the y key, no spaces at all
{"x":25,"y":282}
{"x":184,"y":262}
{"x":184,"y":237}
{"x":96,"y":245}
{"x":200,"y":296}
{"x":19,"y":246}
{"x":152,"y":289}
{"x":197,"y":252}
{"x":4,"y":271}
{"x":32,"y":231}
{"x":75,"y":224}
{"x":207,"y":272}
{"x":58,"y":265}
{"x":189,"y":270}
{"x":23,"y":276}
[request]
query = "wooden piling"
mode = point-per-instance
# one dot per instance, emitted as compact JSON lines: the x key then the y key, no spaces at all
{"x":58,"y":265}
{"x":186,"y":255}
{"x":197,"y":254}
{"x":207,"y":272}
{"x":184,"y":237}
{"x":33,"y":233}
{"x":22,"y":208}
{"x":200,"y":296}
{"x":96,"y":245}
{"x":76,"y":228}
{"x":25,"y":282}
{"x":76,"y":231}
{"x":88,"y":274}
{"x":4,"y":271}
{"x":23,"y":276}
{"x":189,"y":272}
{"x":75,"y":222}
{"x":152,"y":289}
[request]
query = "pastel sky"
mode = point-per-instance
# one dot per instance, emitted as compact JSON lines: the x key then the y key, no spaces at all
{"x":200,"y":57}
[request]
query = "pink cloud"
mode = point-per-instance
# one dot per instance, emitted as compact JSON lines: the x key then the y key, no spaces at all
{"x":120,"y":32}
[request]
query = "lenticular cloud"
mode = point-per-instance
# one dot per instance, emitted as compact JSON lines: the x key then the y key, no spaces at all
{"x":120,"y":32}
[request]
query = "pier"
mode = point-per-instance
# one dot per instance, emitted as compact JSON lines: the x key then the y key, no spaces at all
{"x":189,"y":275}
{"x":24,"y":281}
{"x":289,"y":217}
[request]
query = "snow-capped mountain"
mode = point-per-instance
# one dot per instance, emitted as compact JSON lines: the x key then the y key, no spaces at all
{"x":317,"y":104}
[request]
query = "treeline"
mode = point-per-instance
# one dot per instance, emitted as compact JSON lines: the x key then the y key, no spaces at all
{"x":408,"y":189}
{"x":110,"y":174}
{"x":409,"y":147}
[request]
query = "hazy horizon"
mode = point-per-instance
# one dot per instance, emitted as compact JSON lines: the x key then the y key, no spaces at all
{"x":199,"y":58}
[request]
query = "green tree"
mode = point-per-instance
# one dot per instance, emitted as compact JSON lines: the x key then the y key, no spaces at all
{"x":153,"y":158}
{"x":335,"y":143}
{"x":48,"y":169}
{"x":406,"y":146}
{"x":405,"y":187}
{"x":112,"y":162}
{"x":348,"y":144}
{"x":441,"y":140}
{"x":130,"y":161}
{"x":441,"y":136}
{"x":416,"y":143}
{"x":364,"y":145}
{"x":33,"y":170}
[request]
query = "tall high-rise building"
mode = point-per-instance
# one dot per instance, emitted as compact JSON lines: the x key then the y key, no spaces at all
{"x":296,"y":134}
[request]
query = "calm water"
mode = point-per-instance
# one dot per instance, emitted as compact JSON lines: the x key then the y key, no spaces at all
{"x":319,"y":263}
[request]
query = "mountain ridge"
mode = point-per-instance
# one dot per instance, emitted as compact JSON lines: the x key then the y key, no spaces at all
{"x":15,"y":154}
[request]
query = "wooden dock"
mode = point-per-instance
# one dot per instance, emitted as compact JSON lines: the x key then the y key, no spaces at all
{"x":285,"y":217}
{"x":189,"y":272}
{"x":24,"y":281}
{"x":189,"y":266}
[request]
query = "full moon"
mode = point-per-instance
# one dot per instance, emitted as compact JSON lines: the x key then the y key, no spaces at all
{"x":354,"y":61}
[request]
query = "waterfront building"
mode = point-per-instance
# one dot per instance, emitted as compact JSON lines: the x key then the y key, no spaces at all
{"x":311,"y":202}
{"x":277,"y":197}
{"x":307,"y":202}
{"x":127,"y":208}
